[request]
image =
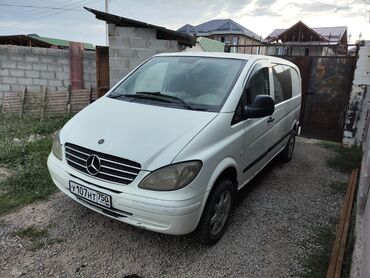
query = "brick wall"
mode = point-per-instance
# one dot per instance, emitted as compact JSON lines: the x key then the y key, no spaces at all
{"x":130,"y":46}
{"x":35,"y":66}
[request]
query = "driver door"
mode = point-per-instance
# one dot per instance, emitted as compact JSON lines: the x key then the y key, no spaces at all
{"x":259,"y":131}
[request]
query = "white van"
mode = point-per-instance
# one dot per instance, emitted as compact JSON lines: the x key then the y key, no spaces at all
{"x":168,"y":147}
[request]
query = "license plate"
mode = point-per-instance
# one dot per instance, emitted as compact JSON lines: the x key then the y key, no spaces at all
{"x":91,"y":195}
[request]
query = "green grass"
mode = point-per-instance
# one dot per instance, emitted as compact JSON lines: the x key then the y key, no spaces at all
{"x":339,"y":187}
{"x":37,"y":237}
{"x":350,"y":244}
{"x":27,"y":160}
{"x":31,"y":232}
{"x":345,"y":159}
{"x":317,"y":260}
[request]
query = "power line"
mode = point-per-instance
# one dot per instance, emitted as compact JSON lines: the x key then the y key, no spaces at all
{"x":45,"y":14}
{"x":38,"y":12}
{"x":41,"y":7}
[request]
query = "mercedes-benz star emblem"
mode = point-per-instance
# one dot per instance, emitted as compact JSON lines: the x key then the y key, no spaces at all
{"x":93,"y":164}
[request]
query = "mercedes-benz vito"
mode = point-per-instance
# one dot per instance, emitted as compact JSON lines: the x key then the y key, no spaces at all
{"x":169,"y":146}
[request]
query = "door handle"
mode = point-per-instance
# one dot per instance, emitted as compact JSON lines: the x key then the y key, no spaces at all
{"x":271,"y":119}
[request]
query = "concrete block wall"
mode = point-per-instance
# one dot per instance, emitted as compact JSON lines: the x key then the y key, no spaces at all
{"x":130,"y":46}
{"x":33,"y":67}
{"x":89,"y":69}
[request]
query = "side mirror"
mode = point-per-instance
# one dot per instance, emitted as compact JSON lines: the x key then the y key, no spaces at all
{"x":262,"y":106}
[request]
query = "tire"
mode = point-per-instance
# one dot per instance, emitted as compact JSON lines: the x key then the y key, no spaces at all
{"x":216,"y":213}
{"x":287,"y":153}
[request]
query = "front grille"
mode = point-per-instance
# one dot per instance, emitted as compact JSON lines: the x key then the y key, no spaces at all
{"x":113,"y":168}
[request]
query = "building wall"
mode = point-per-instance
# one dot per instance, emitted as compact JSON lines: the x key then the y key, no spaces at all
{"x":248,"y":41}
{"x":34,"y":67}
{"x":130,"y":46}
{"x":358,"y":107}
{"x":360,"y":267}
{"x":238,"y":39}
{"x":298,"y":50}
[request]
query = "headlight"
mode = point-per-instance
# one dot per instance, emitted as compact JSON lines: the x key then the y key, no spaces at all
{"x":57,"y":146}
{"x":172,"y":177}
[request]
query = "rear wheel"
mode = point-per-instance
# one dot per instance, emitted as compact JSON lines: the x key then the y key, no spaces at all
{"x":215,"y":216}
{"x":287,"y":153}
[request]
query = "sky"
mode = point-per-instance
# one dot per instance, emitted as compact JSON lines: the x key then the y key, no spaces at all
{"x":68,"y":20}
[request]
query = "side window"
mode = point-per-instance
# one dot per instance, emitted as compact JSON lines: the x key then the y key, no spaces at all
{"x":282,"y":83}
{"x":239,"y":111}
{"x":258,"y":85}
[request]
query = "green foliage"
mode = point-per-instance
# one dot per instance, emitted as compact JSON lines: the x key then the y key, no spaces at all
{"x":26,"y":157}
{"x":38,"y":237}
{"x":350,"y":244}
{"x":31,"y":232}
{"x":345,"y":159}
{"x":339,"y":187}
{"x":317,"y":260}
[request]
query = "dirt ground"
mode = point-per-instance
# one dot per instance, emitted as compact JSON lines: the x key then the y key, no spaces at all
{"x":276,"y":216}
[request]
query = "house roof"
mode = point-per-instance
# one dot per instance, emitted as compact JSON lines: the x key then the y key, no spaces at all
{"x":37,"y":41}
{"x":23,"y":40}
{"x":162,"y":32}
{"x":60,"y":42}
{"x":218,"y":26}
{"x":209,"y":45}
{"x":329,"y":34}
{"x":187,"y":28}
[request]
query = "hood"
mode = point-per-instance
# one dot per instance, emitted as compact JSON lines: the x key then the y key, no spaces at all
{"x":148,"y":134}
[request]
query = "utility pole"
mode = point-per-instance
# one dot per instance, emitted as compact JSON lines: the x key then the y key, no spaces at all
{"x":367,"y":6}
{"x":106,"y":24}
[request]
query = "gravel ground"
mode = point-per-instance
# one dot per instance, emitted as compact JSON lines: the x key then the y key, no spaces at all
{"x":276,"y":216}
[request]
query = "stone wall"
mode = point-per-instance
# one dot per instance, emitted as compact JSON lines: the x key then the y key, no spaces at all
{"x":130,"y":46}
{"x":33,"y":67}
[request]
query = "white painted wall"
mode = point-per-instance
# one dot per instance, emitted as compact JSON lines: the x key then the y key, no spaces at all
{"x":362,"y":72}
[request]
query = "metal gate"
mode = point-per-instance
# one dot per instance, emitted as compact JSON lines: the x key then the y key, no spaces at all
{"x":102,"y":70}
{"x":326,"y":84}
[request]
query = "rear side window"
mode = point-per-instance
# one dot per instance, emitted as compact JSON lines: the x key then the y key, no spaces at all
{"x":282,"y":83}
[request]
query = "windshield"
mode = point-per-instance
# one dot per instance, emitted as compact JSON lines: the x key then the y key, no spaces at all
{"x":197,"y":83}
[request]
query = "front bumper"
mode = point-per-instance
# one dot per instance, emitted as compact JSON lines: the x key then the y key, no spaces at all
{"x":163,"y":216}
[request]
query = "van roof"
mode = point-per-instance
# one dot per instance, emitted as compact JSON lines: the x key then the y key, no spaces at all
{"x":249,"y":57}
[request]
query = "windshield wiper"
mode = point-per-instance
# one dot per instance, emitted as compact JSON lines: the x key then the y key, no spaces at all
{"x":140,"y":96}
{"x":155,"y":96}
{"x":159,"y":95}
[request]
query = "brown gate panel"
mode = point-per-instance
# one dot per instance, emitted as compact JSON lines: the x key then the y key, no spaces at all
{"x":304,"y":65}
{"x":326,"y":84}
{"x":326,"y":97}
{"x":102,"y":70}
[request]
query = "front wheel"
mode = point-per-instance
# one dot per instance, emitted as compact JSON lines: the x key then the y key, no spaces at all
{"x":216,"y":213}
